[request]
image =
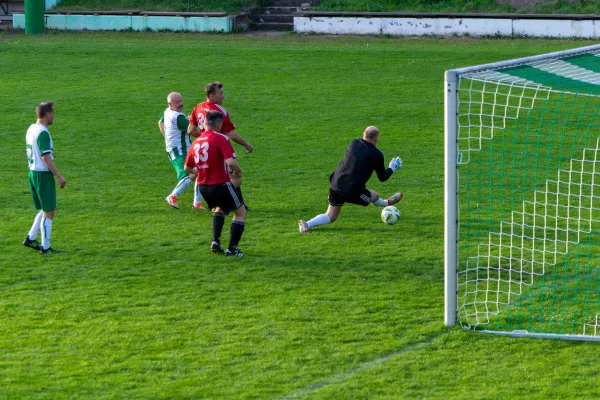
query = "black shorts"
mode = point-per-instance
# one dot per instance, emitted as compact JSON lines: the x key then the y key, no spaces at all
{"x":361,"y":197}
{"x":223,"y":195}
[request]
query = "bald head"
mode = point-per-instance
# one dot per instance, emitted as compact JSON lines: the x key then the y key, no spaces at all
{"x":175,"y":101}
{"x":371,"y":134}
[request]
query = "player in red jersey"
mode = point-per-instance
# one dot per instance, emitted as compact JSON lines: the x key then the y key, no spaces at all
{"x":214,"y":101}
{"x":209,"y":160}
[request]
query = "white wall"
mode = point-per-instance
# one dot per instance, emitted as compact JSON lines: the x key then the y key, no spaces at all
{"x":448,"y":26}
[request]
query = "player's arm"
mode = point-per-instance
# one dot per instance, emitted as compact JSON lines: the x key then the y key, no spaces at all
{"x":233,"y":135}
{"x":161,"y":125}
{"x":234,"y":167}
{"x":47,"y":157}
{"x":190,"y":165}
{"x":193,"y":129}
{"x":383,"y":173}
{"x":183,"y":124}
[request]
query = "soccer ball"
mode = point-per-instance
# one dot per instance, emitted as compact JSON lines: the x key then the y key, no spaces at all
{"x":390,"y":215}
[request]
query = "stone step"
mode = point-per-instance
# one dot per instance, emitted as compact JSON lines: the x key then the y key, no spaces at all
{"x":271,"y":26}
{"x":265,"y":18}
{"x":294,"y":3}
{"x":6,"y":24}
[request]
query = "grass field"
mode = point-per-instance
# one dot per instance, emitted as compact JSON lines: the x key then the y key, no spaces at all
{"x":234,"y":6}
{"x":138,"y":307}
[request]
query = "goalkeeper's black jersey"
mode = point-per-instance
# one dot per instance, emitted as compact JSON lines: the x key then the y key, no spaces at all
{"x":360,"y":160}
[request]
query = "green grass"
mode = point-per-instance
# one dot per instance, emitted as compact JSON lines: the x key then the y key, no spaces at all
{"x":138,"y":307}
{"x":233,"y":6}
{"x":464,"y":6}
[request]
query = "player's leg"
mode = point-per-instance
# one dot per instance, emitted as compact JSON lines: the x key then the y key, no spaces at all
{"x":336,"y":201}
{"x":217,"y":225}
{"x":46,"y":228}
{"x":198,"y":198}
{"x":211,"y":194}
{"x":183,"y":181}
{"x":31,"y":239}
{"x":237,"y":184}
{"x":235,"y":204}
{"x":378,"y":201}
{"x":47,"y":193}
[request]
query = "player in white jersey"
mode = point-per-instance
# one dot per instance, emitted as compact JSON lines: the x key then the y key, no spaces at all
{"x":42,"y":171}
{"x":174,"y":126}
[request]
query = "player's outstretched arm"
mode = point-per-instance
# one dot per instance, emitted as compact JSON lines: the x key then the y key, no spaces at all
{"x":383,"y":173}
{"x":52,"y":167}
{"x":233,"y":135}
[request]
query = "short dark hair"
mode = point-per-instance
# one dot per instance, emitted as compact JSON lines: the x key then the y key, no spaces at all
{"x":213,"y":118}
{"x":44,"y":108}
{"x":211,"y":88}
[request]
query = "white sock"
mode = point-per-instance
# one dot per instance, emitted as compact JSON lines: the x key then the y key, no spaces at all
{"x":197,"y":194}
{"x":320,"y":219}
{"x":380,"y":202}
{"x":181,"y":186}
{"x":46,"y":232}
{"x":35,"y":228}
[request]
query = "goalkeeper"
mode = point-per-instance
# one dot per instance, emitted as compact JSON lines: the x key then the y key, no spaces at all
{"x":348,"y":181}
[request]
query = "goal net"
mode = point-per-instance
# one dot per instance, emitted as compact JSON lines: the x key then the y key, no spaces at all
{"x":523,"y":196}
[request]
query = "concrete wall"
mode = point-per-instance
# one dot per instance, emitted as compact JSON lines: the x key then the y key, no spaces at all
{"x":410,"y":26}
{"x":133,"y":22}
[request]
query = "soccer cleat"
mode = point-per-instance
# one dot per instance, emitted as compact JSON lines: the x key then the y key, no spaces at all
{"x":200,"y":207}
{"x":395,"y":198}
{"x":32,"y":244}
{"x":172,"y":201}
{"x":234,"y":252}
{"x":49,"y":250}
{"x":216,"y":248}
{"x":303,"y":226}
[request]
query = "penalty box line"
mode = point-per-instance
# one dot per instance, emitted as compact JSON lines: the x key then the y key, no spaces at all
{"x":363,"y":367}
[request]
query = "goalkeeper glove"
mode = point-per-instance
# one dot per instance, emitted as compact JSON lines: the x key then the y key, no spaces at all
{"x":395,"y":163}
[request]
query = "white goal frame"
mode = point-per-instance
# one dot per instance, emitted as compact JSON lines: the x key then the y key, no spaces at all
{"x":451,"y":154}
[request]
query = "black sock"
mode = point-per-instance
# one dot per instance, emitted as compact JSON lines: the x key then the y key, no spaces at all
{"x":235,"y":234}
{"x":218,"y":222}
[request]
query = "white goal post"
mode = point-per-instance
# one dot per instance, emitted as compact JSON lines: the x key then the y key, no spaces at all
{"x":522,"y":196}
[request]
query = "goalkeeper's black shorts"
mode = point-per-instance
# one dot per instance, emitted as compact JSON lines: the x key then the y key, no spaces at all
{"x":360,"y":197}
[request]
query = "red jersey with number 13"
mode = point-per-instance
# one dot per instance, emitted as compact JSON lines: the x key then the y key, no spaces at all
{"x":208,"y":154}
{"x":199,"y":114}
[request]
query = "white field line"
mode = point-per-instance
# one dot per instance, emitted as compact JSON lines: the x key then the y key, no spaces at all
{"x":342,"y":376}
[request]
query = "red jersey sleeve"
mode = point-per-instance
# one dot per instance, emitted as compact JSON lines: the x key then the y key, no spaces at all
{"x":228,"y":126}
{"x":227,"y":149}
{"x":189,"y":159}
{"x":194,"y":116}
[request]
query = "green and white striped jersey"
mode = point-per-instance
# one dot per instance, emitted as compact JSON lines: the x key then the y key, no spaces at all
{"x":39,"y":143}
{"x":176,"y":137}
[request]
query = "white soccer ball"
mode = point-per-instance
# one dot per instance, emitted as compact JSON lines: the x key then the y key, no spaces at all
{"x":390,"y":215}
